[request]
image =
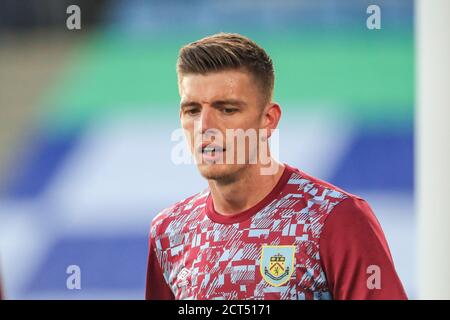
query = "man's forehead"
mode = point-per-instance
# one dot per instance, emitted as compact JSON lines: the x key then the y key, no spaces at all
{"x":214,"y":86}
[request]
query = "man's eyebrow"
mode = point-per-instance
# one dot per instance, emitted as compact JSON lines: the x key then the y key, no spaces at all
{"x":229,"y":102}
{"x":216,"y":103}
{"x":185,"y":104}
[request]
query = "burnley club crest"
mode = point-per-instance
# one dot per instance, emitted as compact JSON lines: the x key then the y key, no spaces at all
{"x":277,"y":264}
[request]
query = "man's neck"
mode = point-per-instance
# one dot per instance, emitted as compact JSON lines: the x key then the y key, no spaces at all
{"x":245,"y":192}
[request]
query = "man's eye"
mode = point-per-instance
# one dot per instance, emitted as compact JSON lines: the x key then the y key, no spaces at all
{"x":192,"y":112}
{"x":229,"y":110}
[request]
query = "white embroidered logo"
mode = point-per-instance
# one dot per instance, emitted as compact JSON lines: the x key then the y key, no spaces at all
{"x":182,"y":277}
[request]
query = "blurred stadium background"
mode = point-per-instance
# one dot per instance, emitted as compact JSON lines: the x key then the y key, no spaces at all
{"x":86,"y":118}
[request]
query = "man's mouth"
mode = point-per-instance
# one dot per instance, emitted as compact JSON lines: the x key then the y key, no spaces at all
{"x":212,"y":152}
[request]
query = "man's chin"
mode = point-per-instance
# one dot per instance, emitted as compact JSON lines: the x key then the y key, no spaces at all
{"x":215,"y":171}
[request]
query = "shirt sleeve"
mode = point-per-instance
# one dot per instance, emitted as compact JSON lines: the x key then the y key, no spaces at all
{"x":355,"y":255}
{"x":156,"y":286}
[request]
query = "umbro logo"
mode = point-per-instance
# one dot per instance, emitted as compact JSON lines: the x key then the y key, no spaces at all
{"x":182,"y":277}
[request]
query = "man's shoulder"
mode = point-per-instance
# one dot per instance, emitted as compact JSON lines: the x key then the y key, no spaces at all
{"x":179,"y":209}
{"x":322,"y":196}
{"x":314,"y":186}
{"x":332,"y":200}
{"x":324,"y":200}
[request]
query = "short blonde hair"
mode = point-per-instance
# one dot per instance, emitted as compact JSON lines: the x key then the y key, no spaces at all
{"x":228,"y":51}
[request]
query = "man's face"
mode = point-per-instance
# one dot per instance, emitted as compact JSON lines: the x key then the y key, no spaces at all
{"x":213,"y":103}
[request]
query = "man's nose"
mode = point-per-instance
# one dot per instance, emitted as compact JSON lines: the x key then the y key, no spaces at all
{"x":207,"y":119}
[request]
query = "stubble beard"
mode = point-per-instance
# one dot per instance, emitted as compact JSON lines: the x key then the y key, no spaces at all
{"x":223,"y":174}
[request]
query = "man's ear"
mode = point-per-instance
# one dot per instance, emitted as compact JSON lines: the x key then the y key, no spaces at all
{"x":272,"y":115}
{"x":179,"y":89}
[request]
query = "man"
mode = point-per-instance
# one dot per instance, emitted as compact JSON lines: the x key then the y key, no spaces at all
{"x":262,"y":229}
